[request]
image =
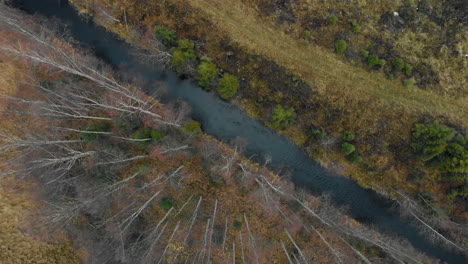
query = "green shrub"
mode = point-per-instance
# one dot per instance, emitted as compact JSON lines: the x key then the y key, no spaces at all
{"x":307,"y":34}
{"x":149,"y":134}
{"x":157,"y":135}
{"x":364,"y":53}
{"x":144,"y":133}
{"x":398,"y":64}
{"x":318,"y":133}
{"x":192,"y":127}
{"x":183,"y":54}
{"x":455,"y":159}
{"x":207,"y":73}
{"x":409,"y":82}
{"x":228,"y":86}
{"x":459,"y":192}
{"x":355,"y":27}
{"x":430,"y":140}
{"x":442,"y":146}
{"x":347,"y":148}
{"x":373,"y":60}
{"x":340,"y":46}
{"x":382,"y":62}
{"x":349,"y":136}
{"x":186,"y":45}
{"x":354,"y":157}
{"x":283,"y":116}
{"x":166,"y":203}
{"x":407,"y":69}
{"x":95,"y":127}
{"x":332,"y":20}
{"x":165,"y":35}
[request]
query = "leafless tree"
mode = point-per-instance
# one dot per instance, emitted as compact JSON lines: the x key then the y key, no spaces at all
{"x":408,"y":206}
{"x":125,"y":98}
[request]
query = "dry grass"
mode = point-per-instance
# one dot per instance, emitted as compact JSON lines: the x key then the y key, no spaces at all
{"x":326,"y":71}
{"x":16,"y":199}
{"x":9,"y":75}
{"x":16,"y":247}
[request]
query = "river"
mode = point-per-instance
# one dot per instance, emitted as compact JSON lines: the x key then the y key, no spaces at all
{"x":226,"y":121}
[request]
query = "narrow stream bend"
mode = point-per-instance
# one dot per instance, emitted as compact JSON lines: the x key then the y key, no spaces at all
{"x":226,"y":121}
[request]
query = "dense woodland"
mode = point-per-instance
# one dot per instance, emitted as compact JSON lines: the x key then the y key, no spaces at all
{"x":130,"y":180}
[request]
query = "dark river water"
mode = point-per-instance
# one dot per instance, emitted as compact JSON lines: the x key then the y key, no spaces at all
{"x":226,"y":121}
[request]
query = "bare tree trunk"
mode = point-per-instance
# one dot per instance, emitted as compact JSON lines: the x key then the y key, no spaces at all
{"x":252,"y":240}
{"x":286,"y":252}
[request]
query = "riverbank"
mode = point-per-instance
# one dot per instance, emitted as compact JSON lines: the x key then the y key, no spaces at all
{"x":327,"y":94}
{"x":326,"y":109}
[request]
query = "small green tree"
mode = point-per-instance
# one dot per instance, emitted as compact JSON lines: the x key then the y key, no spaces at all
{"x":347,"y":148}
{"x":364,"y":53}
{"x":430,"y":140}
{"x":283,"y":116}
{"x":455,"y":159}
{"x":398,"y":64}
{"x":307,"y":34}
{"x":147,"y":136}
{"x":354,"y":157}
{"x":373,"y":60}
{"x":228,"y":86}
{"x":183,"y":54}
{"x":165,"y":35}
{"x":166,"y":203}
{"x":318,"y":133}
{"x":382,"y":62}
{"x":407,"y":69}
{"x":192,"y":127}
{"x":341,"y":46}
{"x":349,"y":136}
{"x":207,"y":73}
{"x":355,"y":27}
{"x":186,"y":45}
{"x":332,"y":20}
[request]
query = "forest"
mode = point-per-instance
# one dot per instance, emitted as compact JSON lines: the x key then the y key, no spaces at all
{"x":108,"y":173}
